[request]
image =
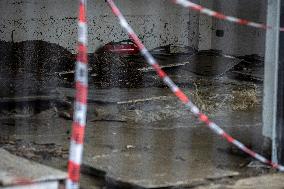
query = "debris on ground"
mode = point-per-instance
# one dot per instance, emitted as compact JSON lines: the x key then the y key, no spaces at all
{"x":143,"y":100}
{"x":271,"y":181}
{"x":211,"y":63}
{"x":27,"y":106}
{"x":245,"y":98}
{"x":65,"y":115}
{"x":113,"y":70}
{"x":129,"y":146}
{"x":173,"y":49}
{"x":109,"y":118}
{"x":258,"y":165}
{"x":33,"y":150}
{"x":29,"y":67}
{"x":251,"y":68}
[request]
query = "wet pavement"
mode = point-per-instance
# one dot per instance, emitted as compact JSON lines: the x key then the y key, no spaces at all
{"x":144,"y":137}
{"x":138,"y":135}
{"x":272,"y":181}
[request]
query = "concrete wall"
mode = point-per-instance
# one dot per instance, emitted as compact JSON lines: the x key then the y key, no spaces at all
{"x":237,"y":40}
{"x":205,"y":27}
{"x":157,"y":22}
{"x":240,"y":40}
{"x":200,"y":27}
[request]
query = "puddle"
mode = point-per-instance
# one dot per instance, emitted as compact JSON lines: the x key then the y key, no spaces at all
{"x":138,"y":134}
{"x":164,"y":145}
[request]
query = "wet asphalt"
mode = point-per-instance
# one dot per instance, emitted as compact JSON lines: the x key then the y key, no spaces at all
{"x":138,"y":135}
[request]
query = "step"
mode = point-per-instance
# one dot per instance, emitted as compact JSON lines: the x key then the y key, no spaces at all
{"x":20,"y":173}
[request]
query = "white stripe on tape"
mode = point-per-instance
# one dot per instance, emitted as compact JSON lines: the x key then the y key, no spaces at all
{"x":81,"y":73}
{"x":82,"y":33}
{"x":216,"y":129}
{"x":260,"y":158}
{"x":256,"y":25}
{"x":171,"y":84}
{"x":232,"y":19}
{"x":76,"y":151}
{"x":238,"y":144}
{"x":80,"y":113}
{"x":208,"y":12}
{"x":71,"y":185}
{"x":150,"y":58}
{"x":185,"y":3}
{"x":123,"y":22}
{"x":193,"y":108}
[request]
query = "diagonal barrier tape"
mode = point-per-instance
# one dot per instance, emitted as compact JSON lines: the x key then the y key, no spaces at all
{"x":221,"y":16}
{"x":181,"y":95}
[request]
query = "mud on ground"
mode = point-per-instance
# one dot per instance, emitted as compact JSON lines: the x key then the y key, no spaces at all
{"x":130,"y":114}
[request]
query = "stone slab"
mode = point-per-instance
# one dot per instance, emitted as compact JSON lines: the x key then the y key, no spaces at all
{"x":153,"y":158}
{"x":211,"y":65}
{"x":271,"y":181}
{"x":141,"y":170}
{"x":44,"y":185}
{"x":15,"y":170}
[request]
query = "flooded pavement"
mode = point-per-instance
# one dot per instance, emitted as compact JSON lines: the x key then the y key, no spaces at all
{"x":138,"y":135}
{"x":145,"y":137}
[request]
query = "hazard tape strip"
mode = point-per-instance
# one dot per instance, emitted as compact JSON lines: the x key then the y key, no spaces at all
{"x":80,"y":105}
{"x":181,"y":95}
{"x":221,"y":16}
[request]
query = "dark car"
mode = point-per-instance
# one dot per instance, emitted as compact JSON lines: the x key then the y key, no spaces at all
{"x":125,"y":47}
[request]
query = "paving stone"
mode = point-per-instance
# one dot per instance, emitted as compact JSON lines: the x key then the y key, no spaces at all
{"x":272,"y":181}
{"x":16,"y":171}
{"x":140,"y":169}
{"x":132,"y":157}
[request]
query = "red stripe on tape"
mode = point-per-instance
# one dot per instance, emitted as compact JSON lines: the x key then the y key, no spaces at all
{"x":249,"y":151}
{"x":204,"y":118}
{"x":197,"y":7}
{"x":82,"y":55}
{"x":22,"y":181}
{"x":78,"y":132}
{"x":182,"y":96}
{"x":220,"y":16}
{"x":74,"y":171}
{"x":136,"y":40}
{"x":159,"y":71}
{"x":243,"y":22}
{"x":115,"y":10}
{"x":82,"y":13}
{"x":272,"y":164}
{"x":81,"y":93}
{"x":228,"y":137}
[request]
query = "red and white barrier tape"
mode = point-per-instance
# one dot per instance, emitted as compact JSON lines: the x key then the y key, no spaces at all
{"x":182,"y":97}
{"x":221,"y":16}
{"x":80,"y":105}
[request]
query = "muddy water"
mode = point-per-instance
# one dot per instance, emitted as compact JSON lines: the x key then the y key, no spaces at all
{"x":145,"y":130}
{"x":141,"y":136}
